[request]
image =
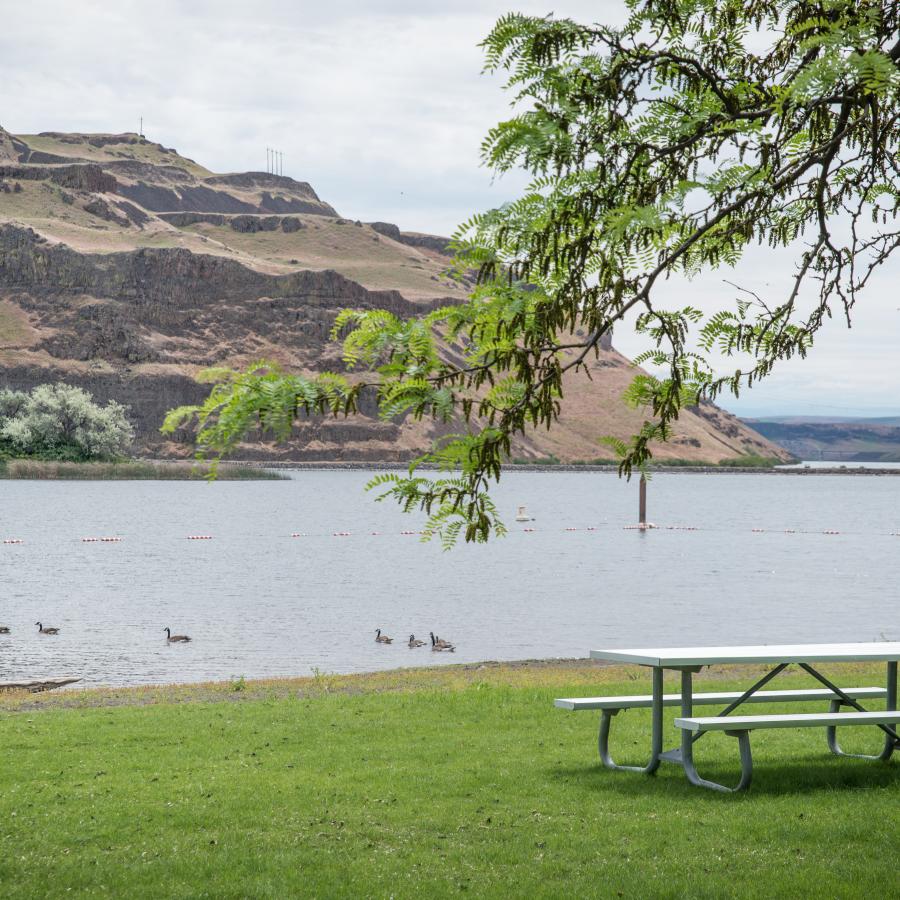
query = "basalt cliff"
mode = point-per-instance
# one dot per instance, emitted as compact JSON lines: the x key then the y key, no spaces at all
{"x":126,"y":268}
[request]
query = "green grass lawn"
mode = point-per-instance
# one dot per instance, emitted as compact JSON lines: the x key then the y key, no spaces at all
{"x":421,"y":784}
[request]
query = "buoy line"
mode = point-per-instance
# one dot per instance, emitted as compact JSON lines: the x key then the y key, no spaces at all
{"x":568,"y":529}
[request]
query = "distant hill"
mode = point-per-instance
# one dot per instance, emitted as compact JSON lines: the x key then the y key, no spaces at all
{"x":125,"y":268}
{"x":828,"y":420}
{"x":840,"y":438}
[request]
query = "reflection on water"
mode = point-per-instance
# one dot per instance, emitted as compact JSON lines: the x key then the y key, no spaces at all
{"x":259,"y":602}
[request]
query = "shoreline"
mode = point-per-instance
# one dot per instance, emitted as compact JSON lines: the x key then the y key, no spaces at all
{"x":550,"y":672}
{"x":360,"y":465}
{"x":158,"y":469}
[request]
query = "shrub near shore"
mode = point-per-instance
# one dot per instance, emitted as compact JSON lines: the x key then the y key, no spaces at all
{"x":62,"y":422}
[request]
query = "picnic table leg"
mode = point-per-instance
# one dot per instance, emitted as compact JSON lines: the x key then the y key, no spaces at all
{"x":891,"y":741}
{"x":655,"y":735}
{"x":687,"y":745}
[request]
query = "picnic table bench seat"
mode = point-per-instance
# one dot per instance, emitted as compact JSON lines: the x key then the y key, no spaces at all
{"x":741,"y":726}
{"x":645,"y":701}
{"x":728,"y":724}
{"x":612,"y":706}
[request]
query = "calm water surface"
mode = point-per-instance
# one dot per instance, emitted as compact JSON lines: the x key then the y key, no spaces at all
{"x":260,"y":603}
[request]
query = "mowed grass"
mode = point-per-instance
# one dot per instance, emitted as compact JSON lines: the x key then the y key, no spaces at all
{"x":464,"y":781}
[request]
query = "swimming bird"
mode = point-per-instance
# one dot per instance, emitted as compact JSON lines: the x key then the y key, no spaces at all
{"x":414,"y":643}
{"x":42,"y":630}
{"x":442,"y":646}
{"x":4,"y":629}
{"x":175,"y":638}
{"x":382,"y":638}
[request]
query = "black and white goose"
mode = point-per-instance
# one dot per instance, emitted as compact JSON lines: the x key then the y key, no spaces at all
{"x":438,"y":645}
{"x":175,"y":638}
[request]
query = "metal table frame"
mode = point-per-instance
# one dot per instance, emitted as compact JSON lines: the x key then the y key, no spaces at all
{"x":689,"y":661}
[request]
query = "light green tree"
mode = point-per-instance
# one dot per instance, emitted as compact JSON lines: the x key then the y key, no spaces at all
{"x":62,"y":421}
{"x":11,"y":403}
{"x":665,"y":147}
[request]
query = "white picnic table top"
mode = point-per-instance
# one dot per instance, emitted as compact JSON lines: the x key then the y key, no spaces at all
{"x":873,"y":651}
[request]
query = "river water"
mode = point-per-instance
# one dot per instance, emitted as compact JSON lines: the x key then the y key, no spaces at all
{"x":259,"y":602}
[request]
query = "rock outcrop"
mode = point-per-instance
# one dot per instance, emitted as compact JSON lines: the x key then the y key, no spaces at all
{"x":413,"y":238}
{"x":8,"y":152}
{"x":117,"y":323}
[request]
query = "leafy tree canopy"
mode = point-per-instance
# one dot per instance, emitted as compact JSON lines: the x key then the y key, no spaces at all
{"x":665,"y":147}
{"x":59,"y":421}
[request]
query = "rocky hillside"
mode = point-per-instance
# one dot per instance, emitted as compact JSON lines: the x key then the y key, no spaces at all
{"x":125,"y":268}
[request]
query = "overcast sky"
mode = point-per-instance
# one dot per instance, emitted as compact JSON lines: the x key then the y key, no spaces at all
{"x":382,"y":107}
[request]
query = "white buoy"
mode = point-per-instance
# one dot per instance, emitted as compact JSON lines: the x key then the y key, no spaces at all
{"x":522,"y":515}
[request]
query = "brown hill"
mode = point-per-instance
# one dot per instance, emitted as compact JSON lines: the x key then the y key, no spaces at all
{"x":125,"y":268}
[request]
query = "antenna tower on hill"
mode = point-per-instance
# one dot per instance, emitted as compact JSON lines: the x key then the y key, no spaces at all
{"x":274,"y":161}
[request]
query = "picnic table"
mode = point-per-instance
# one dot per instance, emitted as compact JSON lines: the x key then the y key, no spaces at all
{"x":690,"y":660}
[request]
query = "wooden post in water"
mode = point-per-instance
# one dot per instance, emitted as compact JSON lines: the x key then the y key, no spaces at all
{"x":642,"y":503}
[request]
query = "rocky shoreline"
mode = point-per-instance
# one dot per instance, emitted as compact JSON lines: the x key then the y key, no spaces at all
{"x":568,"y":467}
